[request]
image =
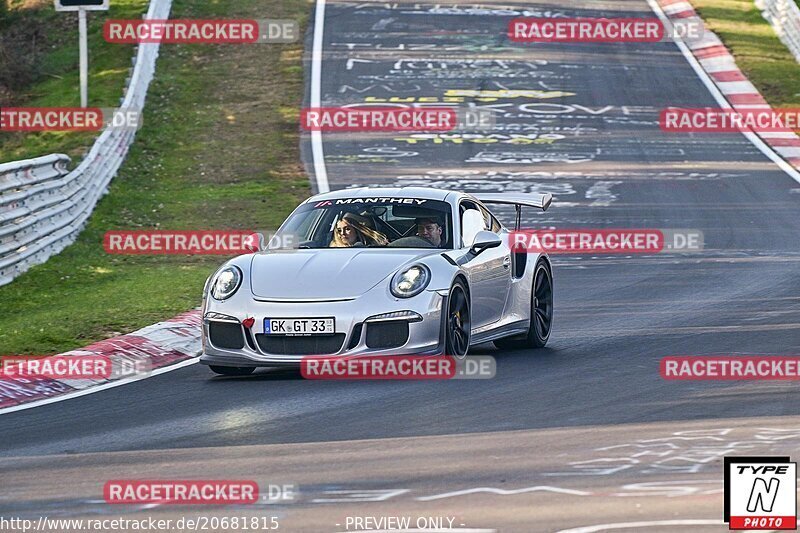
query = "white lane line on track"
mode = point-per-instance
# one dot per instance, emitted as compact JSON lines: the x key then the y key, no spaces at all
{"x":504,"y":492}
{"x":720,"y":98}
{"x":317,"y":153}
{"x":636,"y":525}
{"x":98,"y":388}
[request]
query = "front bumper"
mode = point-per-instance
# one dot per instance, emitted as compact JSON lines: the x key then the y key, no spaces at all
{"x":425,"y":335}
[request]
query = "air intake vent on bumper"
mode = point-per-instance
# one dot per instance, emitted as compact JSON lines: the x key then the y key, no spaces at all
{"x":226,"y":335}
{"x":391,"y":334}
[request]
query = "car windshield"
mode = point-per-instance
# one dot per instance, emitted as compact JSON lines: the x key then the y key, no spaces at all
{"x":371,"y":223}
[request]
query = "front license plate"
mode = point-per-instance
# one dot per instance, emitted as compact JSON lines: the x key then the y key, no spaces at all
{"x":299,"y":326}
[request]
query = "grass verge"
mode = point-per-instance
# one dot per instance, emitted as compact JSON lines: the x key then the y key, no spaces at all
{"x":761,"y":56}
{"x":219,"y":150}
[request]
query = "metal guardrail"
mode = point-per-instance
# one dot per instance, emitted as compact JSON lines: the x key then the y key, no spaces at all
{"x":43,"y":207}
{"x":784,"y":17}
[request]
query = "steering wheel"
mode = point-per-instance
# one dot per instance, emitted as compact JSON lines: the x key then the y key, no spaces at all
{"x":411,"y":242}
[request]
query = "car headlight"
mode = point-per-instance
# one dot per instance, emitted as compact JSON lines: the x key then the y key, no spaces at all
{"x":226,"y":283}
{"x":411,"y":281}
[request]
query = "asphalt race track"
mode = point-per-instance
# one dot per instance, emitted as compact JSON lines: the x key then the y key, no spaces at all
{"x":582,"y":433}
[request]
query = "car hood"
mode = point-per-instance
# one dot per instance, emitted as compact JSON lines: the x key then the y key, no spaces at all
{"x":326,"y":273}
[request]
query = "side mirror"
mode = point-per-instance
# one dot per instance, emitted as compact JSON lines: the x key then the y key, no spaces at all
{"x":483,"y":241}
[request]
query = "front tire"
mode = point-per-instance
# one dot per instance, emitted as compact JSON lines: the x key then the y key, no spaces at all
{"x":541,"y":313}
{"x":232,"y":370}
{"x":459,"y":321}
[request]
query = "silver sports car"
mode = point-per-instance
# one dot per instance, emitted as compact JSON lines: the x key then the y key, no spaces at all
{"x":380,"y":271}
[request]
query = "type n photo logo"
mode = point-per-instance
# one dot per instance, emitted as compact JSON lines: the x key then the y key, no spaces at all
{"x":760,"y":493}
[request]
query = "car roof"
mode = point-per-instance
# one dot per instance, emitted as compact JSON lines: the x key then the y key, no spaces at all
{"x":427,"y":193}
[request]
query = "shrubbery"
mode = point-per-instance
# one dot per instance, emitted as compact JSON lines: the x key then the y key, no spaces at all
{"x":23,"y":40}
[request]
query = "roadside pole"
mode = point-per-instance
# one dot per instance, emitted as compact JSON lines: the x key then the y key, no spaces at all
{"x":82,"y":6}
{"x":83,"y":47}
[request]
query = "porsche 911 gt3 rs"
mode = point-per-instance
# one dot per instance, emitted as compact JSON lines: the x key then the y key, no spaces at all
{"x":380,"y":271}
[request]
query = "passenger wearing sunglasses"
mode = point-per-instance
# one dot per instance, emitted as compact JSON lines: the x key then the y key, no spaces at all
{"x":352,"y":229}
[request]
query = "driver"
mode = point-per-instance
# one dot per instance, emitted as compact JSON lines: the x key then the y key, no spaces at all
{"x":430,"y":229}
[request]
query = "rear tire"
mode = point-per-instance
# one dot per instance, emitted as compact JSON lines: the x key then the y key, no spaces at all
{"x":232,"y":370}
{"x":541,"y":313}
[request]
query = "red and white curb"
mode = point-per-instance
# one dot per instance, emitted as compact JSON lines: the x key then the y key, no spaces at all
{"x":719,"y":64}
{"x":163,"y":346}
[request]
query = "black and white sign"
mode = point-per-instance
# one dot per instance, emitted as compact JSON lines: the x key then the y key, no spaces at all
{"x":75,"y":5}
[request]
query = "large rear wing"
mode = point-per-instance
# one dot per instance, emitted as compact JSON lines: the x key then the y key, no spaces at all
{"x":539,"y":201}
